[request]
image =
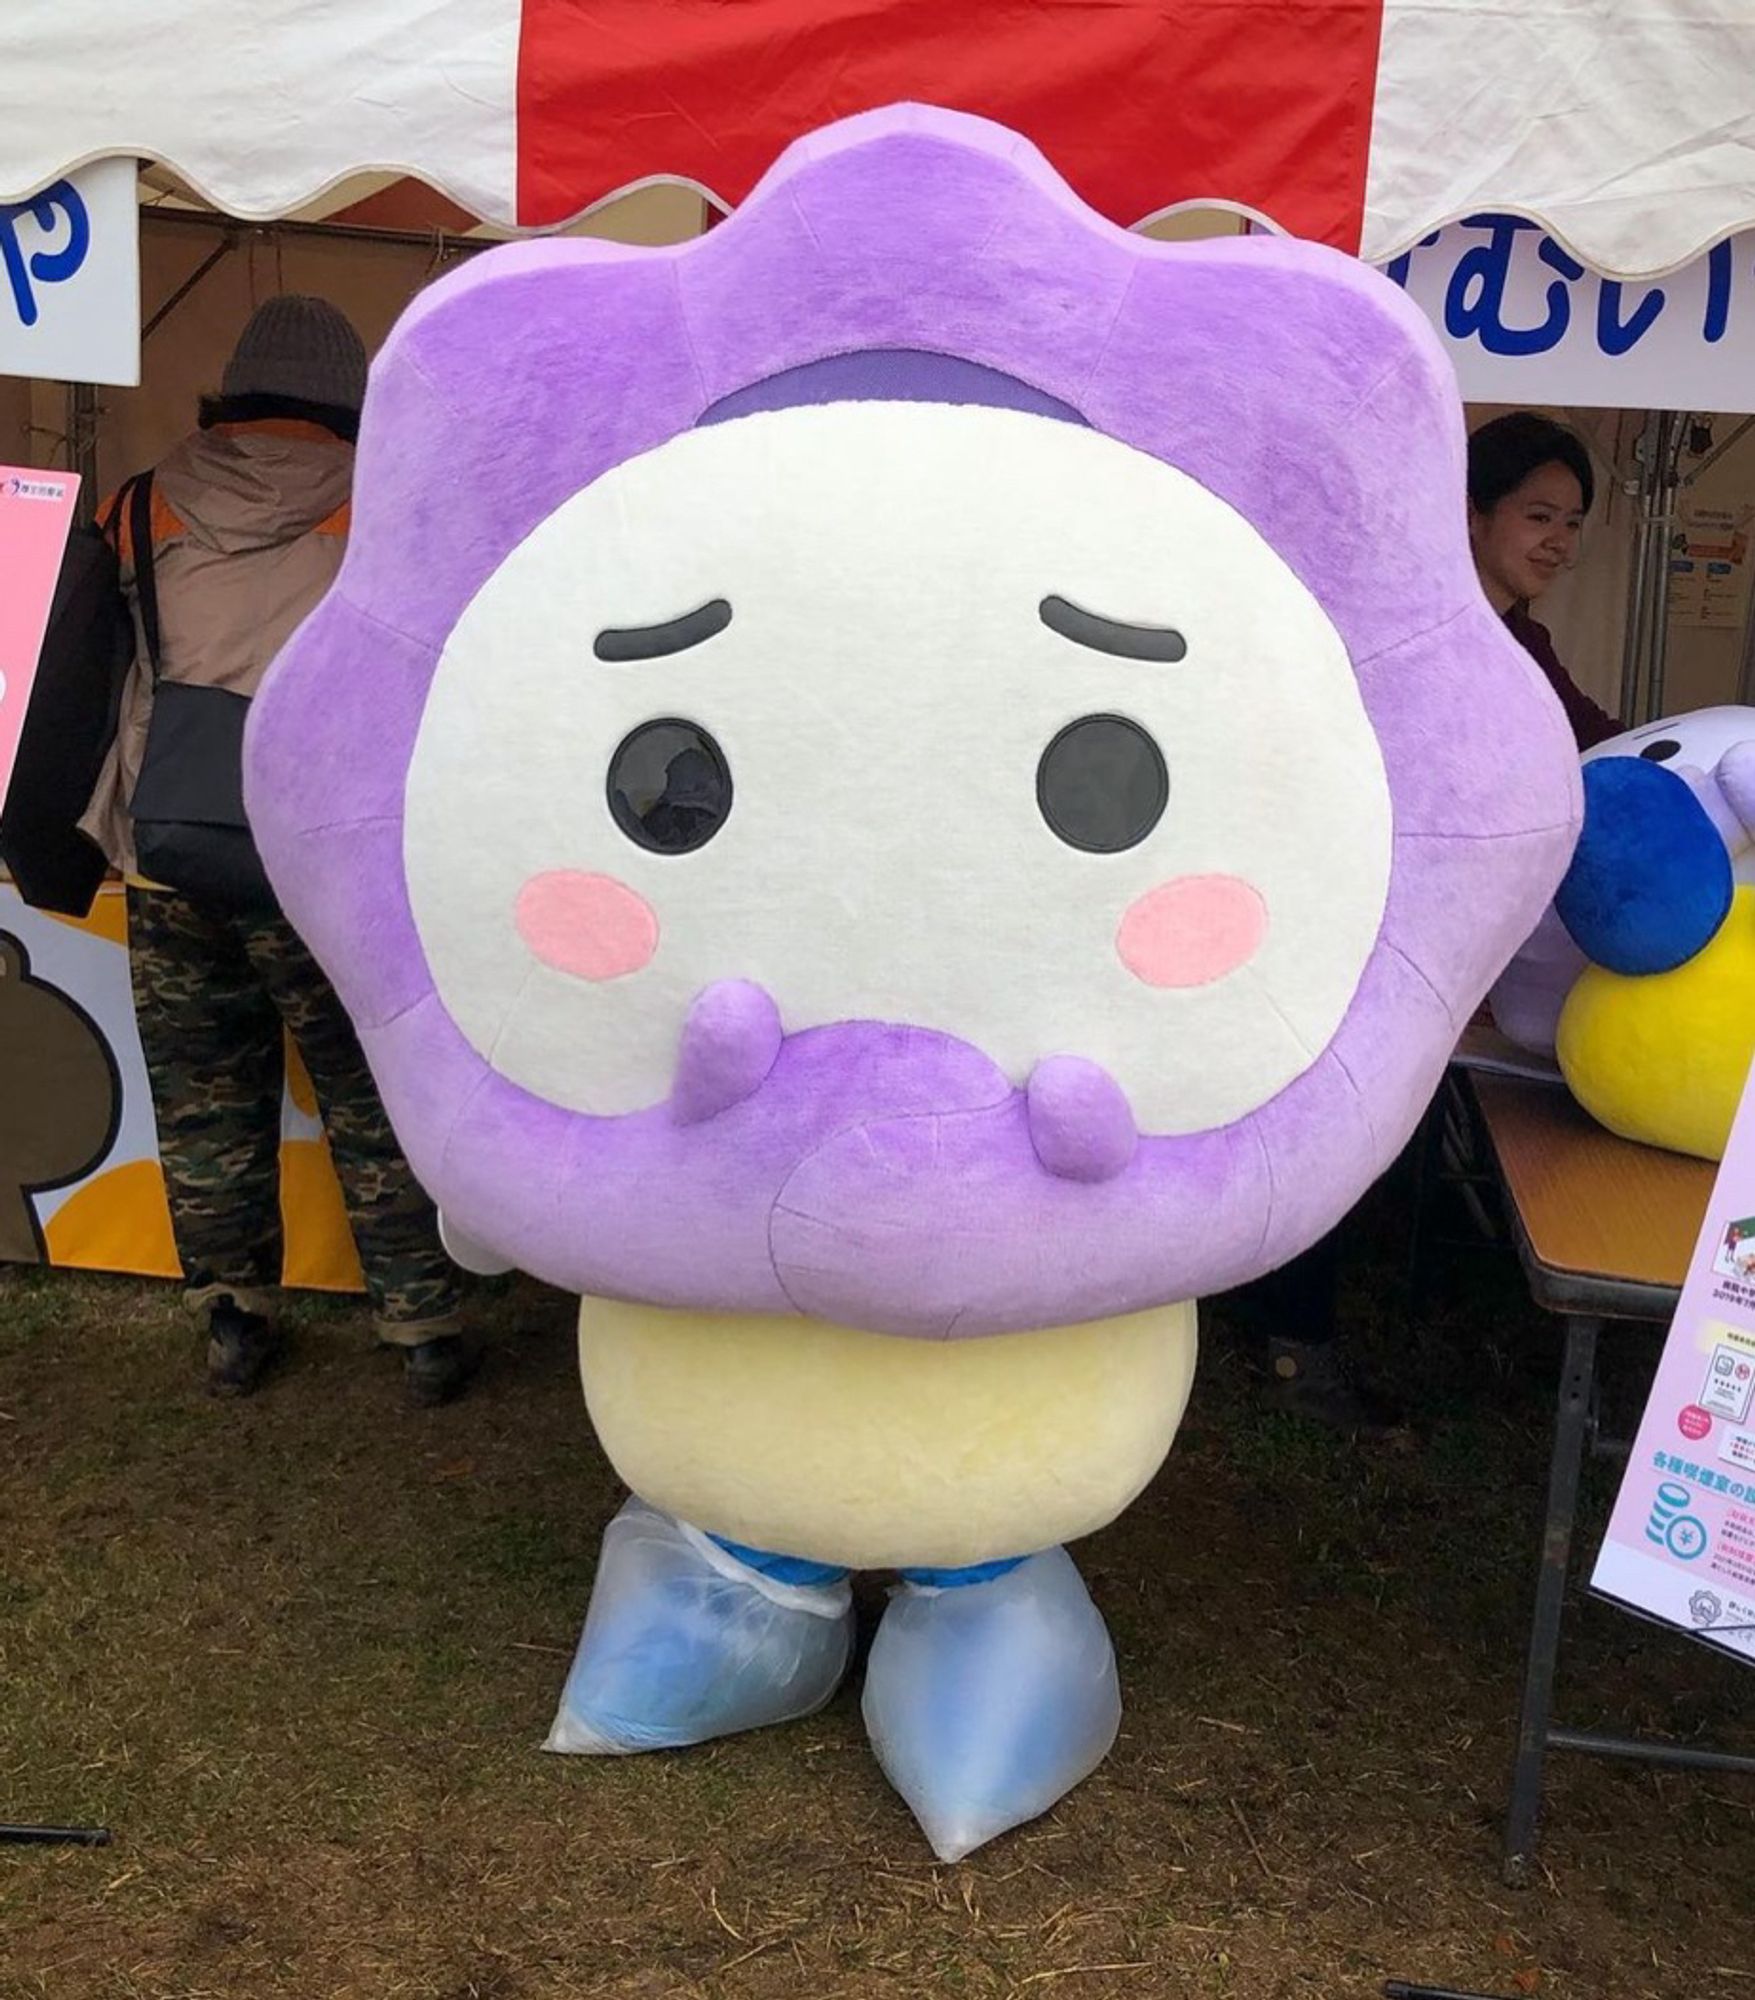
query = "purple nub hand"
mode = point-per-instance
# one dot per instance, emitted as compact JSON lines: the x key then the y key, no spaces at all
{"x":1080,"y":1122}
{"x":729,"y":1043}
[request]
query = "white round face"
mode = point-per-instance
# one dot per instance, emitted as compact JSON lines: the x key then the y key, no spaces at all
{"x":882,"y":626}
{"x":1691,"y":745}
{"x":1695,"y":741}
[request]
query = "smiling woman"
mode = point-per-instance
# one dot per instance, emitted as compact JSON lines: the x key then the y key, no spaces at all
{"x":1531,"y":485}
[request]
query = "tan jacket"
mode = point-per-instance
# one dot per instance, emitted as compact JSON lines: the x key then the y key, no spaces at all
{"x":248,"y":526}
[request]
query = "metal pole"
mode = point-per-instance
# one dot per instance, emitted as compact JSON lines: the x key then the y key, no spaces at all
{"x":1399,"y":1989}
{"x":1746,"y":677}
{"x":1632,"y":649}
{"x":335,"y":232}
{"x":82,"y":421}
{"x":1718,"y":451}
{"x":1669,"y":483}
{"x":1677,"y":1756}
{"x":227,"y":246}
{"x":1571,"y":1420}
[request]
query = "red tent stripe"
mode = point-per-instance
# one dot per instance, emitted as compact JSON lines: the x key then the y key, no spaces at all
{"x":1263,"y":103}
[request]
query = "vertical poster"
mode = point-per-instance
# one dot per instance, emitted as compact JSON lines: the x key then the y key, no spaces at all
{"x":36,"y":512}
{"x":1681,"y":1541}
{"x":1709,"y":566}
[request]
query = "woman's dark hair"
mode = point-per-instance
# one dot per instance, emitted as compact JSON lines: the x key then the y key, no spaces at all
{"x":253,"y":409}
{"x":1504,"y":453}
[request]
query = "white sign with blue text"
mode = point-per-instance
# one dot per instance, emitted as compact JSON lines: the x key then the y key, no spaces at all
{"x":1525,"y":322}
{"x":70,"y":279}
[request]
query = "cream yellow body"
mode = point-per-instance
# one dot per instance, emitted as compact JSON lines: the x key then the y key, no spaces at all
{"x":1663,"y":1058}
{"x":877,"y":1452}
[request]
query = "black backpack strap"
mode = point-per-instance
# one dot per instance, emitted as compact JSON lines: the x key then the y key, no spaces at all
{"x":139,"y":492}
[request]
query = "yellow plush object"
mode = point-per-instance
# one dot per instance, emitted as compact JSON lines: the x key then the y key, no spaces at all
{"x":1663,"y":1058}
{"x":876,"y":1452}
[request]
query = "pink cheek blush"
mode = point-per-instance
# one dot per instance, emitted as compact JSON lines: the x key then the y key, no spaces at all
{"x":588,"y":926}
{"x":1192,"y":931}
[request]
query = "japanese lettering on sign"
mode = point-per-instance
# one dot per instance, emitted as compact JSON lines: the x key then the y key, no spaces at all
{"x":70,"y":278}
{"x":1526,"y":322}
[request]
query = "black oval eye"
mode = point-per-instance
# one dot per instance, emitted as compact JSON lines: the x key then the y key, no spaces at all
{"x":669,"y":786}
{"x":1661,"y":751}
{"x":1102,"y":785}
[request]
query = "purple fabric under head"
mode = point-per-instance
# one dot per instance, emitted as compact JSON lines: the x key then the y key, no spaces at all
{"x":880,"y":1174}
{"x":890,"y":375}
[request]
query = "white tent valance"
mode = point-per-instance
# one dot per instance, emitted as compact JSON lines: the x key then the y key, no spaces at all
{"x":1625,"y":127}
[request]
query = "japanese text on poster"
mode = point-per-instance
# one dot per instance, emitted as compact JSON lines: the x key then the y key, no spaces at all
{"x":1709,"y":566}
{"x":1681,"y":1541}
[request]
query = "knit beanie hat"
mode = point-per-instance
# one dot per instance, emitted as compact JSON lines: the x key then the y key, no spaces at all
{"x":303,"y":349}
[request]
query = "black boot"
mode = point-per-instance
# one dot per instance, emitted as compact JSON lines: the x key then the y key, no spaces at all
{"x":438,"y":1370}
{"x":1309,"y":1382}
{"x":241,"y":1348}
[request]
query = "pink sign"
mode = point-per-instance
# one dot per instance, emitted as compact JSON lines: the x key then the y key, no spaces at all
{"x":36,"y":511}
{"x":1681,"y":1541}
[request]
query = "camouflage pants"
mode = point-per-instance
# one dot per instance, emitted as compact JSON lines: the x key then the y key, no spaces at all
{"x":211,"y":993}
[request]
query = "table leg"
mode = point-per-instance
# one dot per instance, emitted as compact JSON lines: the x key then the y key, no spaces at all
{"x":1577,"y":1376}
{"x":1427,"y":1147}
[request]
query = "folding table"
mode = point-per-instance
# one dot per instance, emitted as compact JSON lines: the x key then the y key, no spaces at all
{"x":1604,"y":1229}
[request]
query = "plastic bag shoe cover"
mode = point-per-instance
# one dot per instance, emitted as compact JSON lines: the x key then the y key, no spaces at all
{"x":986,"y":1704}
{"x":682,"y":1643}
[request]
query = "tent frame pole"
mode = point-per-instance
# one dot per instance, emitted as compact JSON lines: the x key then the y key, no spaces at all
{"x":210,"y":262}
{"x":1746,"y":673}
{"x":437,"y":240}
{"x":1672,"y":433}
{"x":1639,"y":576}
{"x":82,"y":447}
{"x":1645,"y":653}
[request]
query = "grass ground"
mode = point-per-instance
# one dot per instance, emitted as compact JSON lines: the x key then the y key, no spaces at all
{"x":299,"y":1654}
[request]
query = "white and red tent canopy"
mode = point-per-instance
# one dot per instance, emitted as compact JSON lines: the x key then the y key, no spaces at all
{"x":1625,"y":127}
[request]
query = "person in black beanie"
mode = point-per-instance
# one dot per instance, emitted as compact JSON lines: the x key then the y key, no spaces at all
{"x":242,"y":534}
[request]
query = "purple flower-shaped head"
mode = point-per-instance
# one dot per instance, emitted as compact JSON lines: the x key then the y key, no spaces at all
{"x":919,"y":759}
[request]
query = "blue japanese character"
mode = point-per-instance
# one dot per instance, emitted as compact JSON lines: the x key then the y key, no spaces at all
{"x":46,"y":267}
{"x":1474,"y":302}
{"x":1617,"y":336}
{"x":1397,"y":272}
{"x":1718,"y":291}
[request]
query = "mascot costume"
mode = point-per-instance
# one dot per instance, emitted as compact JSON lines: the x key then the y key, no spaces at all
{"x":1640,"y":980}
{"x":897,"y":792}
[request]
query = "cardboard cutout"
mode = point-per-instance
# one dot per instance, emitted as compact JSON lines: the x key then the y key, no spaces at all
{"x":897,"y":792}
{"x":60,"y":1098}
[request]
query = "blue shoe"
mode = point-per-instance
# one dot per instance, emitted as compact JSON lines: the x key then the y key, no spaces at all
{"x":988,"y":1702}
{"x":684,"y":1642}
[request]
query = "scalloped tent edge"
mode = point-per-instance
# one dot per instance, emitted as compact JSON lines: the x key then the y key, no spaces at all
{"x":1342,"y":120}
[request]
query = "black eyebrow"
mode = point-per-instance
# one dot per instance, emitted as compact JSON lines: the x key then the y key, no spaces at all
{"x":1111,"y":635}
{"x":658,"y":642}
